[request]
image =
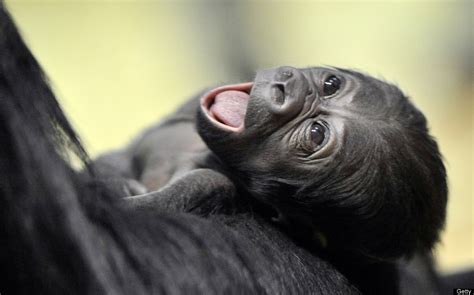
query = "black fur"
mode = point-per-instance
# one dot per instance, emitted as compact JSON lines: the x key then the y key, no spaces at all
{"x":382,"y":195}
{"x":377,"y":196}
{"x":60,"y":235}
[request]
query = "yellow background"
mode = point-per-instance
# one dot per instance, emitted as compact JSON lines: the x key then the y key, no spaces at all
{"x":118,"y":66}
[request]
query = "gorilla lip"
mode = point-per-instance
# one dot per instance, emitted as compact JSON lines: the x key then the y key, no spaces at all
{"x":226,"y":106}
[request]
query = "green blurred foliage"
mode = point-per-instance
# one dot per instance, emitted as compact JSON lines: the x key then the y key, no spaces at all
{"x":119,"y":66}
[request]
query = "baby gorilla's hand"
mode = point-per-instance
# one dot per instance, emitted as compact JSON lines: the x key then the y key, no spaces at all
{"x":132,"y":187}
{"x":201,"y":191}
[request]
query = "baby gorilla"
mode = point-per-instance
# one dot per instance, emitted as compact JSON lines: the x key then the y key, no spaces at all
{"x":325,"y":152}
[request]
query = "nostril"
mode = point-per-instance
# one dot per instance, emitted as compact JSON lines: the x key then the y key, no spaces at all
{"x":278,"y":93}
{"x":287,"y":74}
{"x":281,"y":87}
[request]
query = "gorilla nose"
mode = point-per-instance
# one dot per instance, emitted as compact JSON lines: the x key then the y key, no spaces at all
{"x":287,"y":90}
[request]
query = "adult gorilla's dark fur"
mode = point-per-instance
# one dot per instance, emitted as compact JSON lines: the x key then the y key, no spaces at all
{"x":62,"y":232}
{"x":59,"y":236}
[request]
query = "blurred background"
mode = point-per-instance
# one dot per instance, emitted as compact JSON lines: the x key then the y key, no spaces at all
{"x":119,"y":66}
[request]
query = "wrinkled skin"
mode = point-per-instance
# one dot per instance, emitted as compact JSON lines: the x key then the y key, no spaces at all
{"x":373,"y":190}
{"x":378,"y":174}
{"x":63,"y":233}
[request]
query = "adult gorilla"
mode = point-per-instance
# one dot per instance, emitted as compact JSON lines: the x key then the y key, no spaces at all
{"x":59,"y":235}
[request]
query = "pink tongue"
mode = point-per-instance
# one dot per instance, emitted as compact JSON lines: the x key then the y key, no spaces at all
{"x":230,"y":106}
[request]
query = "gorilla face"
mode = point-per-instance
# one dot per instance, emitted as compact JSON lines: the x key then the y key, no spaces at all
{"x":291,"y":121}
{"x":278,"y":120}
{"x":335,"y":148}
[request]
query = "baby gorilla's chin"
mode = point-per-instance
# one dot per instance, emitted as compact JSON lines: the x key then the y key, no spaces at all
{"x":226,"y":106}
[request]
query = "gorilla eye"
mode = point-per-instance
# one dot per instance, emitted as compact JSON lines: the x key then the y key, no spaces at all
{"x":318,"y":134}
{"x":331,"y":85}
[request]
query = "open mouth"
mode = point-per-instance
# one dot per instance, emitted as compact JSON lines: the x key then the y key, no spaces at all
{"x":226,"y":106}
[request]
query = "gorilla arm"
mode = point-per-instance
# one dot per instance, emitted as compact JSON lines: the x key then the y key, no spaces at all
{"x":201,"y":191}
{"x":159,"y":155}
